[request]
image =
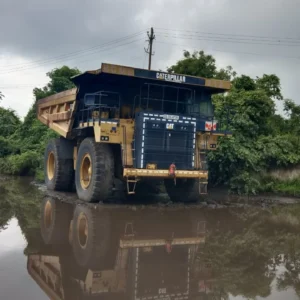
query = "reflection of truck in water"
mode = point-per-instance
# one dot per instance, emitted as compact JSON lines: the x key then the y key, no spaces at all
{"x":121,"y":125}
{"x":128,"y":254}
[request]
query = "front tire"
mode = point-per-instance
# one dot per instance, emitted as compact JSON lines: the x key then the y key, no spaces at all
{"x":94,"y":176}
{"x":91,"y":237}
{"x":185,"y":190}
{"x":58,"y":165}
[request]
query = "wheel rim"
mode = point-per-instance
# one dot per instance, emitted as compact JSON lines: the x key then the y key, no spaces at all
{"x":48,"y":214}
{"x":51,"y":166}
{"x":86,"y":171}
{"x":82,"y":230}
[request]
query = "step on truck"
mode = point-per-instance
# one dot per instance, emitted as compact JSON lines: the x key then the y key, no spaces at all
{"x":121,"y":125}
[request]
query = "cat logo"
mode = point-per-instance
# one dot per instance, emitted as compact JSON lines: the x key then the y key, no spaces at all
{"x":170,"y":126}
{"x":162,"y":291}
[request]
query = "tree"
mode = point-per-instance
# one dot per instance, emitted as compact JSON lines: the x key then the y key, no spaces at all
{"x":261,"y":139}
{"x":292,"y":124}
{"x":245,"y":83}
{"x":9,"y":122}
{"x":29,"y":139}
{"x":1,"y":96}
{"x":200,"y":64}
{"x":59,"y":81}
{"x":271,"y":85}
{"x":250,"y":109}
{"x":226,"y":74}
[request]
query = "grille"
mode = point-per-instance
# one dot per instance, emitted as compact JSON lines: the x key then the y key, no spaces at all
{"x":161,"y":140}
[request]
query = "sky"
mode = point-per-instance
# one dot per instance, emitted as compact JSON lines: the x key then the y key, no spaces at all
{"x":13,"y":266}
{"x":255,"y":37}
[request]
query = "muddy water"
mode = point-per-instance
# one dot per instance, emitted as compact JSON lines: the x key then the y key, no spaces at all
{"x":54,"y":249}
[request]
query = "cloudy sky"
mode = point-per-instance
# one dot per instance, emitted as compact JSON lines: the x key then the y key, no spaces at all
{"x":255,"y":37}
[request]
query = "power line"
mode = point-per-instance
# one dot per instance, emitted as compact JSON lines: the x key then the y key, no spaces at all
{"x":230,"y":34}
{"x":237,"y":39}
{"x":69,"y":58}
{"x":238,"y":52}
{"x":114,"y":52}
{"x":203,"y":38}
{"x":83,"y":50}
{"x":28,"y":85}
{"x":75,"y":53}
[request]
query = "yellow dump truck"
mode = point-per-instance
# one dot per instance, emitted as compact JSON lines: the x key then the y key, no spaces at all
{"x":121,"y":125}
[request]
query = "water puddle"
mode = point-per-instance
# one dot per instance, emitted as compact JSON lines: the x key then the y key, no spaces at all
{"x":50,"y":249}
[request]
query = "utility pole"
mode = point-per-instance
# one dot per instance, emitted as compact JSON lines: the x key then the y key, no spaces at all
{"x":151,"y":37}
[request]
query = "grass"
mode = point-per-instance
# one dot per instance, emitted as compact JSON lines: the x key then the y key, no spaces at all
{"x":286,"y":187}
{"x":39,"y":175}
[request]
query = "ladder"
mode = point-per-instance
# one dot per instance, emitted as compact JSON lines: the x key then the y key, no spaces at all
{"x":131,"y":184}
{"x":203,"y":161}
{"x":202,"y":187}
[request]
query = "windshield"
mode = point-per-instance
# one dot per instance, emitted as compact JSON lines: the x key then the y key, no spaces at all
{"x":202,"y":104}
{"x":175,"y":100}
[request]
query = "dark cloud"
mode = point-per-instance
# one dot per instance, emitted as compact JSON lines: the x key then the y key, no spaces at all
{"x":36,"y":28}
{"x":46,"y":28}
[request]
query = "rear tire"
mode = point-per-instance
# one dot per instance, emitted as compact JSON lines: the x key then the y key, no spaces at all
{"x":185,"y":190}
{"x":58,"y":165}
{"x":94,"y":175}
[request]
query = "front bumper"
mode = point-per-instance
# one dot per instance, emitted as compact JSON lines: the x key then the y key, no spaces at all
{"x":130,"y":172}
{"x":131,"y":243}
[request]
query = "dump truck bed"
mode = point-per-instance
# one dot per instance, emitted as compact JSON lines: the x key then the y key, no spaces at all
{"x":57,"y":111}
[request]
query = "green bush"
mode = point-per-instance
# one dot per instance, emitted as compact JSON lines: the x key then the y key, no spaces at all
{"x":6,"y":147}
{"x":20,"y":164}
{"x":9,"y":122}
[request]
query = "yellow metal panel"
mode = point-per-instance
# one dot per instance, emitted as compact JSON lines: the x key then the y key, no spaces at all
{"x":62,"y":130}
{"x":59,"y":98}
{"x":63,"y":116}
{"x":57,"y":111}
{"x":219,"y":84}
{"x":151,"y":166}
{"x":160,"y":242}
{"x":127,"y":126}
{"x":207,"y":141}
{"x":110,"y":133}
{"x":75,"y":153}
{"x":116,"y":69}
{"x":197,"y":157}
{"x":97,"y":132}
{"x":128,"y":172}
{"x":104,"y":115}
